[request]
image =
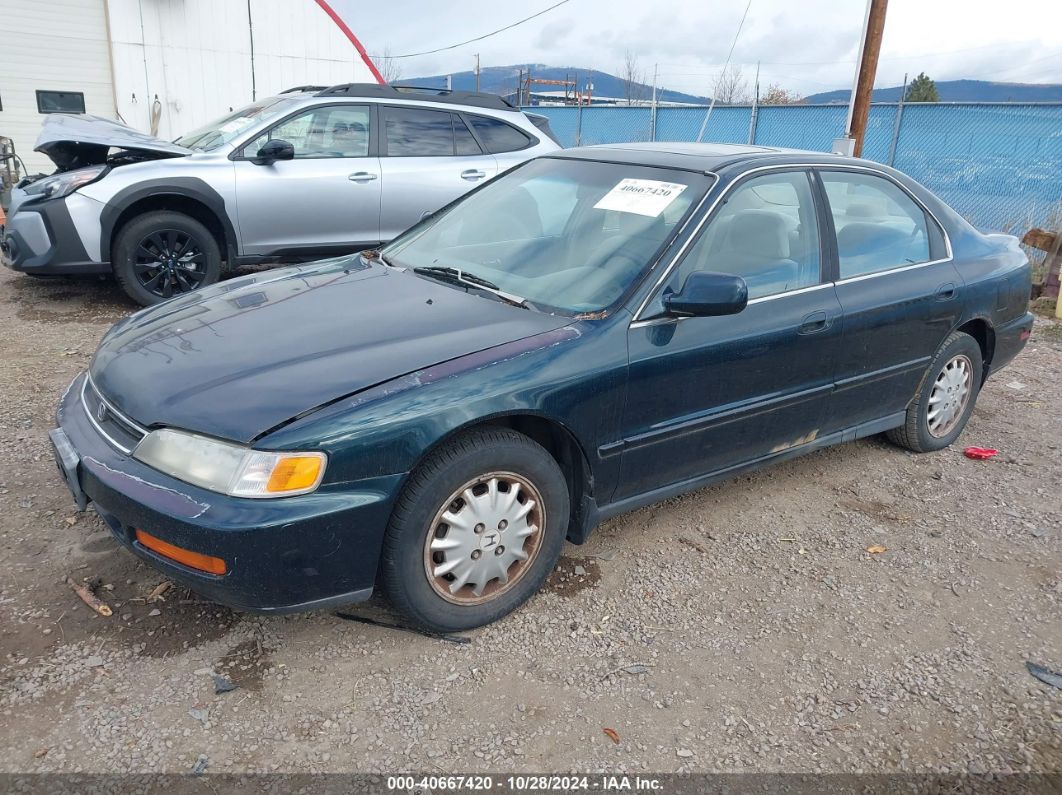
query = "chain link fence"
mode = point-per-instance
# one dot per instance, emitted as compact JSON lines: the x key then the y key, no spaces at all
{"x":999,"y":165}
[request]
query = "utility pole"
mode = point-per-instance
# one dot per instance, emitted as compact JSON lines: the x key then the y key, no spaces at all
{"x":652,"y":118}
{"x":477,"y":71}
{"x":754,"y":116}
{"x":898,"y":121}
{"x":869,"y":50}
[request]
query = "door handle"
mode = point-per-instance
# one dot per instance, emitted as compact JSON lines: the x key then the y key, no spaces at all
{"x":815,"y":322}
{"x":361,"y":176}
{"x":945,"y":292}
{"x":473,"y":174}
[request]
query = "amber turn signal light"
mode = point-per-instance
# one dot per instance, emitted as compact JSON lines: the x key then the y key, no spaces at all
{"x":295,"y":473}
{"x":193,"y":560}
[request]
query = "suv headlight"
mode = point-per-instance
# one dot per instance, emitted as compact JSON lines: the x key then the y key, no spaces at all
{"x":229,"y":468}
{"x":59,"y":185}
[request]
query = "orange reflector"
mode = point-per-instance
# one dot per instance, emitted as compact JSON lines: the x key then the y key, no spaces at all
{"x":193,"y":560}
{"x":294,"y":473}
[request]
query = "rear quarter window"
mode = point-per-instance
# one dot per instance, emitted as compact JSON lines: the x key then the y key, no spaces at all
{"x":497,"y":136}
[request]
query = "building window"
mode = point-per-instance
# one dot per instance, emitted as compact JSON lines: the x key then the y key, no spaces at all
{"x":60,"y":102}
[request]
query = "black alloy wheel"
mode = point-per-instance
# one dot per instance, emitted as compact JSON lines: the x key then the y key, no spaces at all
{"x":168,"y":262}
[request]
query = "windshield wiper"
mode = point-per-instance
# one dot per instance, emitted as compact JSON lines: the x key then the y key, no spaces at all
{"x":458,"y":276}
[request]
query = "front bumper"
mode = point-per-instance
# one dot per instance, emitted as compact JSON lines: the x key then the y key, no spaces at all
{"x":284,"y":555}
{"x":42,"y":238}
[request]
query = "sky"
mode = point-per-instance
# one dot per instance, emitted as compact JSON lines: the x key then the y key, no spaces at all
{"x":805,"y":46}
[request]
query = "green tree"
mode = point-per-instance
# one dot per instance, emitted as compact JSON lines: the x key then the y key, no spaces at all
{"x":922,"y":89}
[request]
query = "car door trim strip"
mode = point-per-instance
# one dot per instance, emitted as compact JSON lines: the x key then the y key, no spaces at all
{"x":886,"y":372}
{"x":715,"y":417}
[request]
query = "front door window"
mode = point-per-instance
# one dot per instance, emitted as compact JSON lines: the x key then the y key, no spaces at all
{"x":330,"y":131}
{"x":765,"y":232}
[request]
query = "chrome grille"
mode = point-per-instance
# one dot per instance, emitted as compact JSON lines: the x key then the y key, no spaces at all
{"x":114,"y":426}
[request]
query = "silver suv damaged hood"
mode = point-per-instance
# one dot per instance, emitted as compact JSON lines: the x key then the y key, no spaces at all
{"x":77,"y":140}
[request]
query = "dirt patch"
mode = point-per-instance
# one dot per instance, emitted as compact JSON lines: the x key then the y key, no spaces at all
{"x":877,"y":509}
{"x":245,"y":664}
{"x":92,"y":305}
{"x":1051,"y":332}
{"x":1043,"y":306}
{"x":184,"y":622}
{"x":573,"y":575}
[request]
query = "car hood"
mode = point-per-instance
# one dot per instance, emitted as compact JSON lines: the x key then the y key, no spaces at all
{"x":245,"y":356}
{"x":76,"y":140}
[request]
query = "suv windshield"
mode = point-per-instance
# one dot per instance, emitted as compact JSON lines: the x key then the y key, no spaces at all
{"x":571,"y":235}
{"x":220,"y":131}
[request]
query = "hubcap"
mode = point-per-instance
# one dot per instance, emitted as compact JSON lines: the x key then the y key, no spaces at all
{"x":169,"y":262}
{"x":484,"y":538}
{"x":951,"y":393}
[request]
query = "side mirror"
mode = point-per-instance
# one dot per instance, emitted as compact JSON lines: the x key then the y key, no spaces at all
{"x":273,"y":151}
{"x":708,"y":294}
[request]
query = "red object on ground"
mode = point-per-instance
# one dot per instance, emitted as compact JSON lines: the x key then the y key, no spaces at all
{"x":979,"y":453}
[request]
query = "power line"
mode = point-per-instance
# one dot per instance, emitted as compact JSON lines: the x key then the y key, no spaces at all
{"x":477,"y":38}
{"x":729,"y":55}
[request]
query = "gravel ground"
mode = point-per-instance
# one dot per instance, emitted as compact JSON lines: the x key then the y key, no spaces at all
{"x":740,"y":628}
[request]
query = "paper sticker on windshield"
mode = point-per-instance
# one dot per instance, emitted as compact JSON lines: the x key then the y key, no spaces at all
{"x":642,"y":196}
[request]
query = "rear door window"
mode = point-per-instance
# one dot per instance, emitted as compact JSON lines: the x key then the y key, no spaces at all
{"x":464,"y":142}
{"x":414,"y":132}
{"x":498,"y":136}
{"x":879,"y":227}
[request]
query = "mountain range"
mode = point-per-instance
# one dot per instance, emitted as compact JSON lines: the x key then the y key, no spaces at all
{"x":503,"y":80}
{"x":957,"y":91}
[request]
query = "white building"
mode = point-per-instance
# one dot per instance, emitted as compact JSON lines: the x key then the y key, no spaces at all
{"x":166,"y":66}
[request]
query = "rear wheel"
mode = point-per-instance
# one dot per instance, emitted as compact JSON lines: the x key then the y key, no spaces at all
{"x":946,"y":399}
{"x":164,"y":253}
{"x":476,"y":531}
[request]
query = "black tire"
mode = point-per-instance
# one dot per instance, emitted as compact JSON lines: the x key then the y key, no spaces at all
{"x":915,"y":433}
{"x":157,"y":270}
{"x":404,"y":576}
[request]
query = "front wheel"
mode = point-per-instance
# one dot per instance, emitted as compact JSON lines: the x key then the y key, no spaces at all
{"x":946,"y":398}
{"x":162,"y":254}
{"x":476,"y":531}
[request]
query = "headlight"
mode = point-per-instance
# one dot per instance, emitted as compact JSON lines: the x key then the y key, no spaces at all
{"x":229,"y":468}
{"x":64,"y":184}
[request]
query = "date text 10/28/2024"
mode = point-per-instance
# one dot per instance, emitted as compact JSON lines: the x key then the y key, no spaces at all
{"x":524,"y":783}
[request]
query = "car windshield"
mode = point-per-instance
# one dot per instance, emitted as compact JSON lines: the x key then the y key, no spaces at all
{"x":567,"y":235}
{"x":221,"y":131}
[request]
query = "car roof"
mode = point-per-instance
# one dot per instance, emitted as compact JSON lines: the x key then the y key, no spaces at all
{"x":445,"y":96}
{"x":708,"y":157}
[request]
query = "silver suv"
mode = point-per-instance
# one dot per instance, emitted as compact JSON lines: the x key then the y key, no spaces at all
{"x":311,"y":173}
